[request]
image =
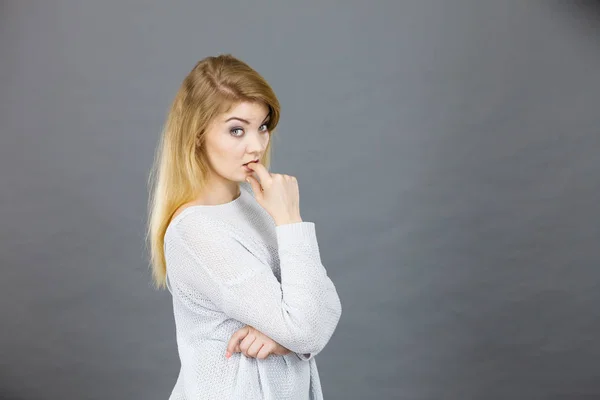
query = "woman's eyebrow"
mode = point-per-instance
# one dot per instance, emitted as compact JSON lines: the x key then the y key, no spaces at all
{"x":240,"y":119}
{"x":245,"y":121}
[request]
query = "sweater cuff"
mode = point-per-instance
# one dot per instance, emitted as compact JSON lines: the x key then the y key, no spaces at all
{"x":305,"y":356}
{"x":303,"y":231}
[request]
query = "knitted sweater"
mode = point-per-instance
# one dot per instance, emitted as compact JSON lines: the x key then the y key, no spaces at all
{"x":228,"y":266}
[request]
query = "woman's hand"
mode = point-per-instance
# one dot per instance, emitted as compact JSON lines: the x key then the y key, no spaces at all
{"x":254,"y":343}
{"x":276,"y":193}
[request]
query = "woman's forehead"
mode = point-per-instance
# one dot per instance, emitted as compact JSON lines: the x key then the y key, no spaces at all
{"x":246,"y":110}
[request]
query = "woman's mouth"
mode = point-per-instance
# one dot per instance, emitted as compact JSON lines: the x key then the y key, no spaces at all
{"x":247,"y":168}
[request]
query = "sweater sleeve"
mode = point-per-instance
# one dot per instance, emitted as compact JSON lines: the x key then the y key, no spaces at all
{"x":300,"y":313}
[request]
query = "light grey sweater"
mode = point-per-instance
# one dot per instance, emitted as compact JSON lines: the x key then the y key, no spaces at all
{"x":229,"y":266}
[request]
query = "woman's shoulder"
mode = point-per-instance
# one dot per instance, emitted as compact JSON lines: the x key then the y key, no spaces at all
{"x":197,"y":204}
{"x":190,"y":221}
{"x":231,"y":220}
{"x":181,"y":209}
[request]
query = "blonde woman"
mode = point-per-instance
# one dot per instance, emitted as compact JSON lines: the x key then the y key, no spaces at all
{"x":252,"y":302}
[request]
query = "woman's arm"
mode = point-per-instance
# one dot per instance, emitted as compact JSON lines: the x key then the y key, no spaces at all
{"x":300,"y":313}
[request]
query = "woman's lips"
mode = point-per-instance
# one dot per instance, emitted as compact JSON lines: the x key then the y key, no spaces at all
{"x":247,"y":168}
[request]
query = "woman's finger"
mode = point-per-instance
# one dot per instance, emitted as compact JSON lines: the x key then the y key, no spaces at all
{"x":255,"y":348}
{"x":246,"y":343}
{"x":264,"y":352}
{"x":262,"y":172}
{"x":256,"y":188}
{"x":234,"y":340}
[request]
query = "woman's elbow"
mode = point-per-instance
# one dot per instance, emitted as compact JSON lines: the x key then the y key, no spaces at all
{"x":320,"y":331}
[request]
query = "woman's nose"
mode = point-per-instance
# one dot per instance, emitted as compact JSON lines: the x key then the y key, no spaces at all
{"x":255,"y":142}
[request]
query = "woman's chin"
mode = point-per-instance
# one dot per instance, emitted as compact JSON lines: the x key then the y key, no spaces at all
{"x":241,"y":179}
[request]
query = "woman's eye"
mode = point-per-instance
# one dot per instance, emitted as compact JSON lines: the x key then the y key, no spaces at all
{"x":236,"y":129}
{"x":233,"y":131}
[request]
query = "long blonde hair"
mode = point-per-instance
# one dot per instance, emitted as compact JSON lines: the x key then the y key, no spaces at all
{"x":180,"y":166}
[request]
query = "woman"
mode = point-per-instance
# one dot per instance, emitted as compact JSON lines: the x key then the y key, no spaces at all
{"x":252,"y":301}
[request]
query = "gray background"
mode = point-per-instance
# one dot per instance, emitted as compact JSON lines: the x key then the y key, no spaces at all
{"x":448,"y":152}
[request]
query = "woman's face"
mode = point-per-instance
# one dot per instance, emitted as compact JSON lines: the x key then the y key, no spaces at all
{"x":235,"y":138}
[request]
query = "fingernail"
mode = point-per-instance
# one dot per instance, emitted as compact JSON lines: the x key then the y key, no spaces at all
{"x":227,"y":354}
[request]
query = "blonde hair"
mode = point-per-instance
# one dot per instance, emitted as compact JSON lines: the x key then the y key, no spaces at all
{"x":180,"y":166}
